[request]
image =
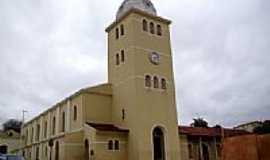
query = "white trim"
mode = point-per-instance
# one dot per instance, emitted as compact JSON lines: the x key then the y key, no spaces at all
{"x":165,"y":133}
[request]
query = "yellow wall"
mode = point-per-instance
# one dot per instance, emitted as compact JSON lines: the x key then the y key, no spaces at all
{"x":97,"y":107}
{"x":145,"y":108}
{"x":99,"y":144}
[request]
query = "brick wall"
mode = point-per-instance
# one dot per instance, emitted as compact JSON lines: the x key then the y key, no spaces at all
{"x":248,"y":147}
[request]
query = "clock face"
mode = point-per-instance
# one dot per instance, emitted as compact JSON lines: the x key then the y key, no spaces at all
{"x":154,"y":58}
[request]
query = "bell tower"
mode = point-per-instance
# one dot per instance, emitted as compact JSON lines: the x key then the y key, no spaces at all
{"x":141,"y":73}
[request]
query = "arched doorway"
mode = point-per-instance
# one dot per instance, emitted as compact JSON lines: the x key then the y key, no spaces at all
{"x":86,"y":149}
{"x":205,"y":152}
{"x":158,"y":144}
{"x":57,"y":150}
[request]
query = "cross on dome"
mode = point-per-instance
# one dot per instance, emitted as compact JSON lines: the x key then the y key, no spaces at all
{"x":143,"y":5}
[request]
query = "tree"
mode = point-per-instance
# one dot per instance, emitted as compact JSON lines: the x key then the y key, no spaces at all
{"x":12,"y":124}
{"x":200,"y":122}
{"x":217,"y":126}
{"x":263,"y":129}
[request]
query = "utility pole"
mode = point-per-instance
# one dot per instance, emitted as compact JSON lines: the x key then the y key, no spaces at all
{"x":23,"y":115}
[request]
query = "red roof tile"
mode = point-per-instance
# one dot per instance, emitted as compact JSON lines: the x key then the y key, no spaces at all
{"x":209,"y":132}
{"x":107,"y":127}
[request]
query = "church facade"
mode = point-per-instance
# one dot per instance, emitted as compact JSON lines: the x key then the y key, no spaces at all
{"x":133,"y":116}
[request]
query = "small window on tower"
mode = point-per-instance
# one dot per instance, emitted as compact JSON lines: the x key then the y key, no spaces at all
{"x":122,"y":30}
{"x":159,"y":30}
{"x":117,"y":33}
{"x":163,"y":83}
{"x":145,"y":25}
{"x":156,"y":81}
{"x":117,"y":59}
{"x":152,"y":28}
{"x":123,"y":114}
{"x":147,"y":81}
{"x":122,"y":55}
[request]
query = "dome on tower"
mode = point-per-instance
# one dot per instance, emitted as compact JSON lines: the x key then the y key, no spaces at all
{"x":143,"y":5}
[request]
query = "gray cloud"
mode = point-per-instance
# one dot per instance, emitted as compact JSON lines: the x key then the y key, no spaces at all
{"x":49,"y":49}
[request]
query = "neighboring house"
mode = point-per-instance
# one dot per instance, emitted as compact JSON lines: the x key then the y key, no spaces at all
{"x":131,"y":117}
{"x":249,"y":126}
{"x":198,"y":143}
{"x":9,"y":141}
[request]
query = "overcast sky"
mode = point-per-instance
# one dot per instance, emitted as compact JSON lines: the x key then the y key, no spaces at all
{"x":221,"y":49}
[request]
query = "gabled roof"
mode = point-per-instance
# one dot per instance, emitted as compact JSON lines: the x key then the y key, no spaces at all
{"x":102,"y":89}
{"x":107,"y":127}
{"x":210,"y":132}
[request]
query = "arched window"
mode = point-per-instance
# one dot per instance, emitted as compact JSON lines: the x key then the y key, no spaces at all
{"x":147,"y":81}
{"x":156,"y":82}
{"x":163,"y":83}
{"x":57,"y":150}
{"x":53,"y":125}
{"x":158,"y":144}
{"x":86,"y":149}
{"x":38,"y":132}
{"x":117,"y":59}
{"x":110,"y":145}
{"x":122,"y":55}
{"x":63,"y":122}
{"x":159,"y":30}
{"x":122,"y":29}
{"x":152,"y":28}
{"x":145,"y":26}
{"x":45,"y":129}
{"x":116,"y":145}
{"x":75,"y":112}
{"x":117,"y":33}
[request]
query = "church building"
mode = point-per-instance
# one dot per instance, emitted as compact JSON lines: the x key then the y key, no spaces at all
{"x":131,"y":117}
